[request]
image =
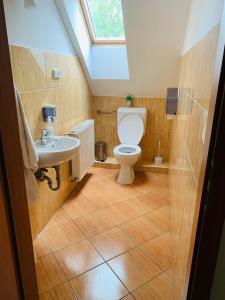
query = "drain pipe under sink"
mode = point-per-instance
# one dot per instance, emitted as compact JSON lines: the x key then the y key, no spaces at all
{"x":40,"y":175}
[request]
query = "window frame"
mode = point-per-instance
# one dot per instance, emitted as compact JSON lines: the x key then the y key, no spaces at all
{"x":91,"y":31}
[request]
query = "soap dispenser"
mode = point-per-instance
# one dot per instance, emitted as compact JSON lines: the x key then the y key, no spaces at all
{"x":49,"y":113}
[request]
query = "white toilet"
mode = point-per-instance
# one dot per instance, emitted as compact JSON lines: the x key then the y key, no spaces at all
{"x":131,"y":123}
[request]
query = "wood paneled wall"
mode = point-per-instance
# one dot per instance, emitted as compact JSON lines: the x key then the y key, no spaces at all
{"x":187,"y":140}
{"x":32,"y":72}
{"x":157,"y":127}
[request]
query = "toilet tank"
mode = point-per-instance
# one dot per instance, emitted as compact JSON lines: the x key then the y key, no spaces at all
{"x":123,"y":111}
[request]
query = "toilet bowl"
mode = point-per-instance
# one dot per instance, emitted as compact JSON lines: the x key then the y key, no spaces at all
{"x":127,"y":156}
{"x":130,"y":129}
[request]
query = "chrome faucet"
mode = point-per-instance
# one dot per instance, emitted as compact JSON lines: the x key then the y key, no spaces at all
{"x":44,"y":136}
{"x":47,"y":136}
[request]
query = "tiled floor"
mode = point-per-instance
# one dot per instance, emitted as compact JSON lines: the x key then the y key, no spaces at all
{"x":109,"y":242}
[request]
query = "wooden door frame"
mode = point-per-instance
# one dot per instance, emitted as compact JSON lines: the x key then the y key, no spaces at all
{"x":14,"y":201}
{"x":13,"y":174}
{"x":8,"y":264}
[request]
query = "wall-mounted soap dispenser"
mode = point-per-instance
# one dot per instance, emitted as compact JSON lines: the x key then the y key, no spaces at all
{"x":49,"y":113}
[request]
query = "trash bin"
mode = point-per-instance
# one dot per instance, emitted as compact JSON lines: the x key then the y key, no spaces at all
{"x":100,"y":151}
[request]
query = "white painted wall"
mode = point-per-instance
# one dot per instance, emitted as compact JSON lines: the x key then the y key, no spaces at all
{"x":72,"y":16}
{"x":109,"y":62}
{"x":149,"y":63}
{"x":99,"y":62}
{"x":203,"y":16}
{"x":40,"y":27}
{"x":155,"y":32}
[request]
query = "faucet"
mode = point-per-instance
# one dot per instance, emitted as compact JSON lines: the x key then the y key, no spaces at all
{"x":44,"y":136}
{"x":47,"y":136}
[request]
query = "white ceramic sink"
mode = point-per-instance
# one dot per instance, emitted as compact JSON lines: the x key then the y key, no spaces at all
{"x":58,"y":150}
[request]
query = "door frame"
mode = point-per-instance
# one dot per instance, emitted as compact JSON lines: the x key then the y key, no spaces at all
{"x":13,"y":189}
{"x":9,"y":264}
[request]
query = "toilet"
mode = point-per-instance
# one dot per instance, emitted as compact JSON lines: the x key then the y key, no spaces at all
{"x":131,"y":123}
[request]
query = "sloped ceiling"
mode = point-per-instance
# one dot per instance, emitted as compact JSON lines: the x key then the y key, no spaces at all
{"x":155,"y":33}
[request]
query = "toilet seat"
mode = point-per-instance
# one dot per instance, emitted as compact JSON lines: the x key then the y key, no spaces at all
{"x":130,"y":129}
{"x":127,"y":150}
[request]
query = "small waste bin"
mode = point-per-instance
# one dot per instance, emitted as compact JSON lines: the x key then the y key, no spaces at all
{"x":100,"y":151}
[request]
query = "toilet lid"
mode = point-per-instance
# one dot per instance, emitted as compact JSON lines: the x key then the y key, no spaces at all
{"x":131,"y":129}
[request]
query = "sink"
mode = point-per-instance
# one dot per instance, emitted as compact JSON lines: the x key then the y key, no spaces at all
{"x":59,"y":149}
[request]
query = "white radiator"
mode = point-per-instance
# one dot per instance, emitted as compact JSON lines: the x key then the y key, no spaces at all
{"x":86,"y":154}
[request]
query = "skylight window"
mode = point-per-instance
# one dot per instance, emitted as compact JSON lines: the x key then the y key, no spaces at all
{"x":104,"y":20}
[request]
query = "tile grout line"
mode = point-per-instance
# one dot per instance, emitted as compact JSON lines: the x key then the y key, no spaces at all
{"x":137,"y":246}
{"x":68,"y":280}
{"x":119,"y":279}
{"x":195,"y":101}
{"x":125,"y":222}
{"x":89,"y":237}
{"x":188,"y":155}
{"x":148,"y":281}
{"x":115,"y":226}
{"x":101,"y":210}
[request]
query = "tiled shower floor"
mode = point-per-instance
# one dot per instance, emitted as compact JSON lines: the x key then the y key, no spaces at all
{"x":109,"y":242}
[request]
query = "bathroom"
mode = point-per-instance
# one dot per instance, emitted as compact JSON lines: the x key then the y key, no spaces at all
{"x":118,"y":204}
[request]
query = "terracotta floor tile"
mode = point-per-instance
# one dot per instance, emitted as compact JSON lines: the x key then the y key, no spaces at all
{"x":78,"y":258}
{"x":78,"y":207}
{"x":93,"y":224}
{"x":102,"y":172}
{"x":150,"y":181}
{"x":97,"y":205}
{"x":161,"y":218}
{"x":49,"y":273}
{"x":111,"y":243}
{"x":134,"y":268}
{"x":123,"y":194}
{"x":163,"y":192}
{"x":98,"y":284}
{"x":160,"y":250}
{"x":158,"y":180}
{"x":160,"y":288}
{"x":156,"y":201}
{"x":140,"y":230}
{"x":60,"y":217}
{"x":61,"y":292}
{"x":142,"y":185}
{"x":109,"y":183}
{"x":104,"y":200}
{"x":119,"y":213}
{"x":91,"y":189}
{"x":41,"y":247}
{"x":147,"y":202}
{"x":63,"y":235}
{"x":129,"y":191}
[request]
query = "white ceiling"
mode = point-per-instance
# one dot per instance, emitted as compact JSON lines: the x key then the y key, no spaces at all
{"x":155,"y":33}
